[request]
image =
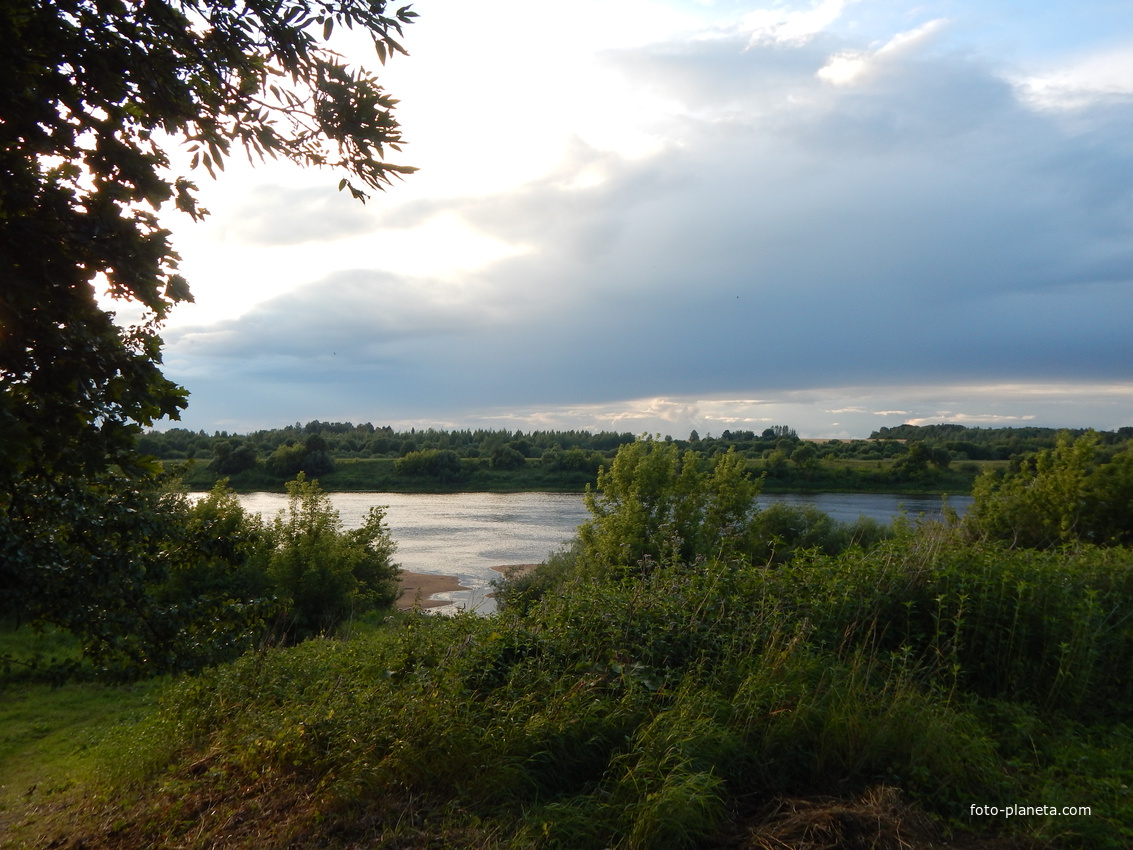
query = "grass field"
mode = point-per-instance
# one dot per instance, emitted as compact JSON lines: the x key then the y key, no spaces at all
{"x":52,"y":731}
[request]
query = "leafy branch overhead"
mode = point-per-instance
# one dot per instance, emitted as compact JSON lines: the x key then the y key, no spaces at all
{"x":94,"y":96}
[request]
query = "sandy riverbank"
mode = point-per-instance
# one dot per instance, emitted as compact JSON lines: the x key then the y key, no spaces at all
{"x":420,"y":589}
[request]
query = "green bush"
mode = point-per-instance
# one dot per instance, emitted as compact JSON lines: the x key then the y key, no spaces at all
{"x":779,"y":530}
{"x":656,"y":505}
{"x":1058,"y":496}
{"x":324,"y":574}
{"x":444,"y":465}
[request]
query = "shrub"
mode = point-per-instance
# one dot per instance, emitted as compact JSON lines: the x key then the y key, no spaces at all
{"x":323,"y":573}
{"x":779,"y":530}
{"x":444,"y":465}
{"x":655,"y":505}
{"x":507,"y":457}
{"x":1058,"y":496}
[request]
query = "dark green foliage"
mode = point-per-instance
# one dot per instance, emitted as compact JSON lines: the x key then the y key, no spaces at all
{"x":229,"y":460}
{"x":425,"y":460}
{"x":1070,"y":493}
{"x":520,"y":591}
{"x":919,"y":457}
{"x":200,"y":582}
{"x":780,"y":530}
{"x":668,"y":703}
{"x":324,"y":574}
{"x":654,"y":504}
{"x":91,"y":94}
{"x":219,"y":553}
{"x":778,"y":432}
{"x":309,"y":458}
{"x":983,"y":443}
{"x":507,"y":457}
{"x":444,"y":466}
{"x":146,"y":582}
{"x":571,"y":459}
{"x":666,"y":709}
{"x":805,"y":455}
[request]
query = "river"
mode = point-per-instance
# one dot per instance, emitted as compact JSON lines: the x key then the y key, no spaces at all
{"x":466,"y":534}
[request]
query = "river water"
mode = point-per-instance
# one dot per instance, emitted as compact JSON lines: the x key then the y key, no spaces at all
{"x":467,"y":534}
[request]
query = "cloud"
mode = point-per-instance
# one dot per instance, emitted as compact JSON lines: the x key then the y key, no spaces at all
{"x":995,"y":420}
{"x":1096,"y":77}
{"x":783,"y":26}
{"x":275,"y":215}
{"x":920,"y":227}
{"x":847,"y":67}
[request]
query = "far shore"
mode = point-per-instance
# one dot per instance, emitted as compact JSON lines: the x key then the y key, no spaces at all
{"x":419,"y":590}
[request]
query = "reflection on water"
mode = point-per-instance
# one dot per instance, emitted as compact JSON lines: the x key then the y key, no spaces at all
{"x":466,"y":534}
{"x":459,"y":534}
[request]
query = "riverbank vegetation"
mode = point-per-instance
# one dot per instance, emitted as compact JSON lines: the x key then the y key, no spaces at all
{"x":190,"y":583}
{"x":345,"y":456}
{"x":683,"y":676}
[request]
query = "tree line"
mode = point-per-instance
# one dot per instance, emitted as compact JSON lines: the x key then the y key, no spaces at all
{"x":366,"y":456}
{"x":991,"y":443}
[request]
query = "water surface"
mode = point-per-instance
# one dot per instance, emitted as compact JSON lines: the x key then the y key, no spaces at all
{"x":467,"y":534}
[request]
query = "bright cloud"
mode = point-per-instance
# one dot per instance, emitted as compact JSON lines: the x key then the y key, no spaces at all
{"x":1082,"y":82}
{"x":848,"y":67}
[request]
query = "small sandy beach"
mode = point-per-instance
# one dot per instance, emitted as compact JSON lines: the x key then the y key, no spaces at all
{"x":420,"y":589}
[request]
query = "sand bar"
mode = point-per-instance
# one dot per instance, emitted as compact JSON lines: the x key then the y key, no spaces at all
{"x":420,"y":589}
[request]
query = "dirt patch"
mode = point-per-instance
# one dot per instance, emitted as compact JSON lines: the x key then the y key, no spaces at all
{"x":418,"y":589}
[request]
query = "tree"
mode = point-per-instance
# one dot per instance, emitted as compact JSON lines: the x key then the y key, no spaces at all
{"x":805,"y":456}
{"x":1057,"y":496}
{"x":507,"y":457}
{"x":915,"y":462}
{"x":93,"y":93}
{"x":228,"y":459}
{"x":444,"y":465}
{"x":654,"y":504}
{"x":92,"y":90}
{"x":323,"y":573}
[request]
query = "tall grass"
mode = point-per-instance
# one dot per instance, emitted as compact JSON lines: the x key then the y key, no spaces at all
{"x":669,"y":708}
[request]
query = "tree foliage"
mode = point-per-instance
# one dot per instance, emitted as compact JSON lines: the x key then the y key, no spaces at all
{"x":323,"y":573}
{"x":148,"y":581}
{"x":1070,"y":493}
{"x":443,"y":465}
{"x":655,"y":504}
{"x":94,"y":95}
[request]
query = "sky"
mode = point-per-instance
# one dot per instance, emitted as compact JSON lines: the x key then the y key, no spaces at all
{"x":656,"y":216}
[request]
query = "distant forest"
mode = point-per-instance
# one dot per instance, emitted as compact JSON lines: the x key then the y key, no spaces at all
{"x":345,"y":456}
{"x":991,"y":443}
